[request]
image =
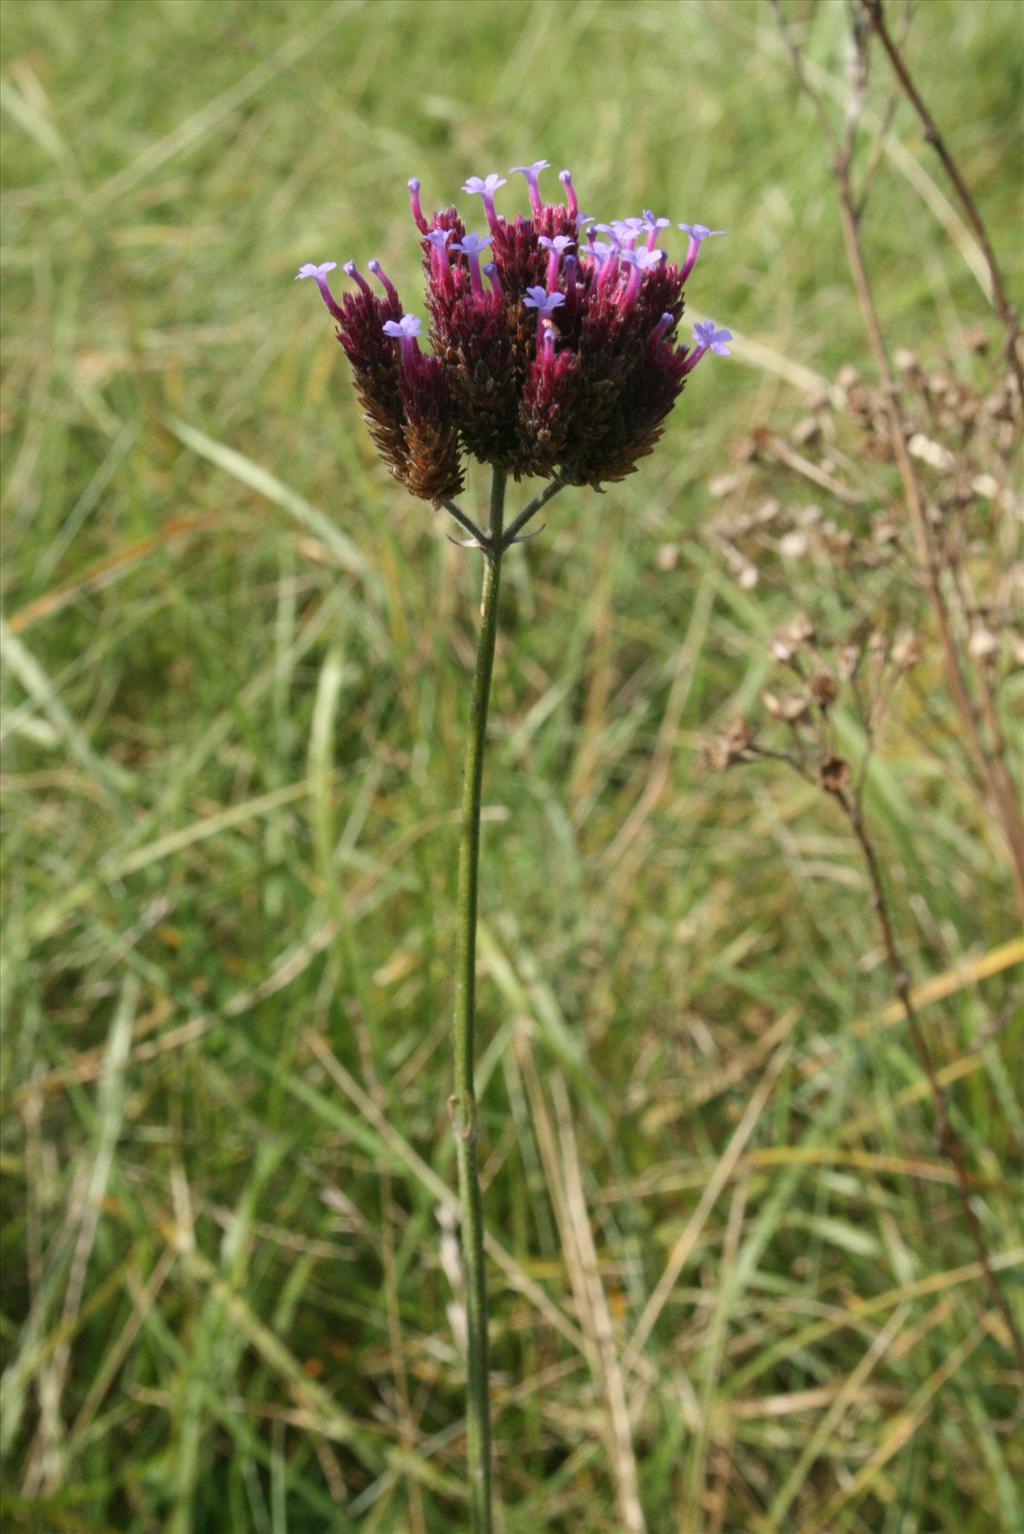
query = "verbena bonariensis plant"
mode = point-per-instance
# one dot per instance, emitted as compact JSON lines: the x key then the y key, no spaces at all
{"x":557,"y":357}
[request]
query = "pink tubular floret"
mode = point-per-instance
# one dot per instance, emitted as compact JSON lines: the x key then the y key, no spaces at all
{"x":414,"y":198}
{"x":351,"y":270}
{"x":384,"y":280}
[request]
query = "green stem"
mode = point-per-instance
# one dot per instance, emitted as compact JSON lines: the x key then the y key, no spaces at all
{"x":464,"y":1114}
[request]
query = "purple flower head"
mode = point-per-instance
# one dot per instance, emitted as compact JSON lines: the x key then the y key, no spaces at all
{"x":544,"y":303}
{"x":319,"y":276}
{"x":707,"y":338}
{"x":559,"y":357}
{"x":532,"y":174}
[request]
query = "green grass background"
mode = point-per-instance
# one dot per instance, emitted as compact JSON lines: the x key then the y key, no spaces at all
{"x":235,"y":694}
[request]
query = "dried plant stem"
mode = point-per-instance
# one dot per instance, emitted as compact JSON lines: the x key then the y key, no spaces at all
{"x":463,"y":1101}
{"x":1003,"y":307}
{"x":988,"y":760}
{"x":950,"y":1141}
{"x":988,"y":757}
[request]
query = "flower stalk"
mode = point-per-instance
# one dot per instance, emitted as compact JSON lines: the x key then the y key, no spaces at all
{"x":463,"y":1100}
{"x":564,"y":366}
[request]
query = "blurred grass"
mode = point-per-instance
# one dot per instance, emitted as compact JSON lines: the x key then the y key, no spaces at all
{"x":236,"y":678}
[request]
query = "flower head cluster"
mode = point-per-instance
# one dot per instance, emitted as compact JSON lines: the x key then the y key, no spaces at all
{"x":552,"y":351}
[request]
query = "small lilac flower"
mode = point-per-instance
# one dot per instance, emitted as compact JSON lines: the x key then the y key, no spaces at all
{"x":319,"y":272}
{"x":706,"y":335}
{"x":471,"y":245}
{"x":565,"y":177}
{"x":621,"y":230}
{"x":414,"y":197}
{"x":405,"y":331}
{"x":532,"y":174}
{"x":641,"y":261}
{"x":544,"y":303}
{"x":554,"y":248}
{"x":653,"y":225}
{"x":491,"y":273}
{"x":569,"y":266}
{"x":706,"y":338}
{"x":582,"y":220}
{"x":698,"y":234}
{"x":319,"y":276}
{"x":485,"y":188}
{"x":439,"y":263}
{"x":409,"y":325}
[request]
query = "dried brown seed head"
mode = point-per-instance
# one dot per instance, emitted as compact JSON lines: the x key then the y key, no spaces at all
{"x":906,"y":652}
{"x":791,"y":709}
{"x":834,"y":774}
{"x":824,"y":688}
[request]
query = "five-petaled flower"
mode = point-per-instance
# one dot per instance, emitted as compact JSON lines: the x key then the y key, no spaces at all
{"x":542,"y":301}
{"x":709,"y":338}
{"x":565,"y":365}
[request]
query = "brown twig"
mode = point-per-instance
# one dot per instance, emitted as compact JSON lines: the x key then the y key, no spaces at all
{"x":990,"y":762}
{"x":1007,"y":314}
{"x":949,"y":1140}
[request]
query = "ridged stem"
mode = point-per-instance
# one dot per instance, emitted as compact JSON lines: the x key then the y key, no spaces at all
{"x":463,"y":1102}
